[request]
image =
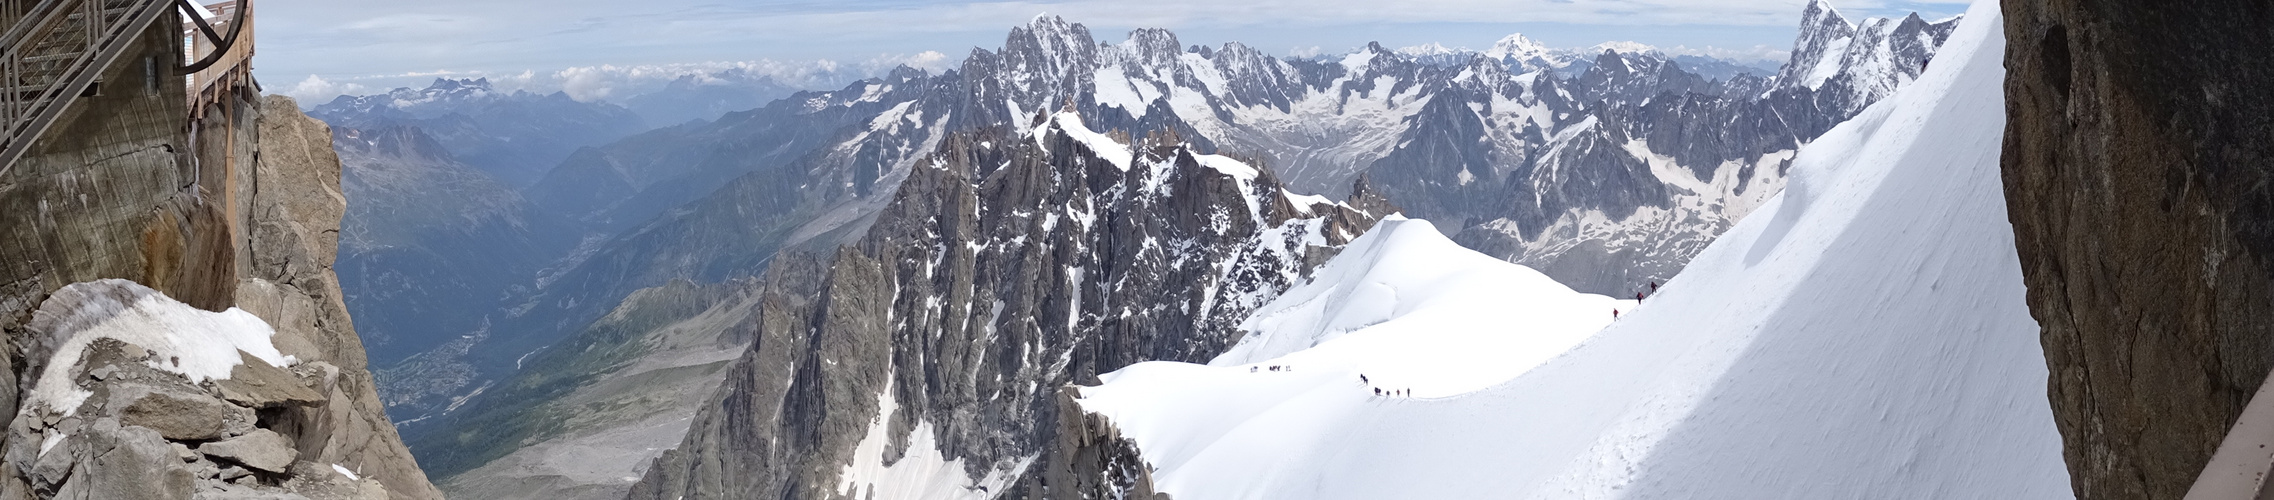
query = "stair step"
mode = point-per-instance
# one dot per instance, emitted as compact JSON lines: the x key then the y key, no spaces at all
{"x":26,"y":93}
{"x":69,"y":56}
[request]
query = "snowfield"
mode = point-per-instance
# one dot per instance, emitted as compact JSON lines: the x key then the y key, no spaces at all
{"x":1863,"y":335}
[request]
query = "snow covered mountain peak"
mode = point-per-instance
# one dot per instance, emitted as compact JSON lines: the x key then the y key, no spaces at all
{"x":1153,"y":47}
{"x":1054,"y":32}
{"x":1429,"y":49}
{"x":1101,"y":145}
{"x":1046,"y":47}
{"x":1518,"y":47}
{"x":1856,"y":63}
{"x":1523,"y":54}
{"x":471,"y":84}
{"x":1823,"y":40}
{"x":442,"y":95}
{"x":448,"y":89}
{"x":1625,"y":47}
{"x":1364,"y":59}
{"x":1819,"y":7}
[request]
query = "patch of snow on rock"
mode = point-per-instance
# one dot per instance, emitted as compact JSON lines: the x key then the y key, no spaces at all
{"x":922,"y":473}
{"x":197,"y":344}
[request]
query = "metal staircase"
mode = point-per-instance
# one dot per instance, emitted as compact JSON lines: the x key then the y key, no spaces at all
{"x":52,"y":52}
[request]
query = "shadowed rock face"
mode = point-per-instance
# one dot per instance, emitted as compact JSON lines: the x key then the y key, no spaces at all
{"x":1090,"y":459}
{"x":2139,"y":158}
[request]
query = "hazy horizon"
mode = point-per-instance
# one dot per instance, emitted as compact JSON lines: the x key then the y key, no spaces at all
{"x":315,"y":50}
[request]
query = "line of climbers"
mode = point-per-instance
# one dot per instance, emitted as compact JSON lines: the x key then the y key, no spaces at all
{"x":1638,"y":297}
{"x":1378,"y":392}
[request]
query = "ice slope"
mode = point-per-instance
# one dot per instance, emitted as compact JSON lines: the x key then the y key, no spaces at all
{"x":1862,"y":336}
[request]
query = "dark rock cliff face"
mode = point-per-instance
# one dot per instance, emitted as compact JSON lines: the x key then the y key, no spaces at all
{"x":1090,"y":460}
{"x":1007,"y":266}
{"x":2139,"y":170}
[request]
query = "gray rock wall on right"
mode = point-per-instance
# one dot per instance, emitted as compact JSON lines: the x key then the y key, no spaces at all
{"x":2139,"y":177}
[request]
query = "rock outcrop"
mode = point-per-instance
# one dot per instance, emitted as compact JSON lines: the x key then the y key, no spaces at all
{"x":113,"y":398}
{"x":129,"y":398}
{"x":2139,"y":155}
{"x":293,"y":241}
{"x":1089,"y":460}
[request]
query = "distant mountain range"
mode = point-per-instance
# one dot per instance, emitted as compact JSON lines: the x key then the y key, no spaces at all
{"x":1605,"y":168}
{"x":1537,"y":56}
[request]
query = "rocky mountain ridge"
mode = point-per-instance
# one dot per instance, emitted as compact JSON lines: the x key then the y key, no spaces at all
{"x":1010,"y":263}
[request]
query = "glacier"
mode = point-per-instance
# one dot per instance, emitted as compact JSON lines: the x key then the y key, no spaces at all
{"x":1863,"y":334}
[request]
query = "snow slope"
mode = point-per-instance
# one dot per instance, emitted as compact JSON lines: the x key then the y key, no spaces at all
{"x":1862,"y":336}
{"x":1385,"y":306}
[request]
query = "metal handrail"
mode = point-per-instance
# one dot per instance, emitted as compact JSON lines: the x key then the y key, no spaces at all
{"x":48,"y":32}
{"x":22,"y":28}
{"x":104,"y":39}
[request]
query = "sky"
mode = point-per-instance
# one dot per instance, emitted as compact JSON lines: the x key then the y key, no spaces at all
{"x":318,"y":49}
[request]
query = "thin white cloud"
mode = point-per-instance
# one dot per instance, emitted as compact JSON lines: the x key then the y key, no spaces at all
{"x":930,"y":60}
{"x":1757,"y":53}
{"x":316,"y":90}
